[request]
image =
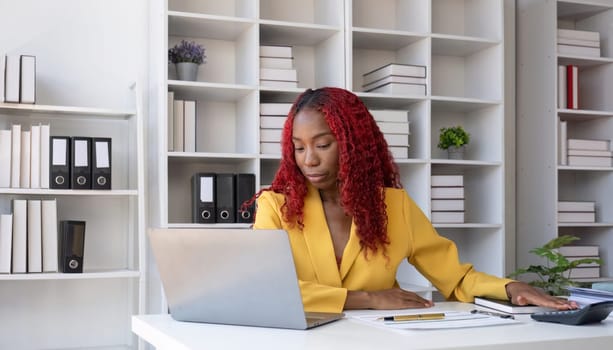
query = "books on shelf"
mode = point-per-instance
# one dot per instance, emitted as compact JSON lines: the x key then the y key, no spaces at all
{"x":576,"y":206}
{"x":400,"y":88}
{"x":278,"y":74}
{"x":272,"y":121}
{"x":276,"y":51}
{"x":448,"y":217}
{"x":18,"y":78}
{"x":583,"y":152}
{"x":270,"y":135}
{"x":447,"y":193}
{"x":27,"y":83}
{"x":394,"y":128}
{"x":276,"y":67}
{"x":579,"y":250}
{"x":11,"y":78}
{"x":578,"y":34}
{"x":577,"y":50}
{"x":280,"y":84}
{"x":571,"y":217}
{"x":394,"y":78}
{"x":562,"y":142}
{"x":590,"y":161}
{"x":584,"y":272}
{"x":5,"y":158}
{"x":585,"y":144}
{"x":400,"y":79}
{"x":572,"y":87}
{"x":508,"y":307}
{"x":281,"y":109}
{"x":390,"y":115}
{"x":399,"y":152}
{"x":270,"y":148}
{"x":447,"y":180}
{"x":276,"y":62}
{"x":396,"y":139}
{"x":407,"y":70}
{"x":578,"y":42}
{"x":447,"y":199}
{"x":6,"y":242}
{"x":182,"y":115}
{"x":447,"y":204}
{"x":562,"y":103}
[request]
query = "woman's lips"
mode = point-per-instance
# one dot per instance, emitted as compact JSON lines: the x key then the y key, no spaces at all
{"x":315,"y":177}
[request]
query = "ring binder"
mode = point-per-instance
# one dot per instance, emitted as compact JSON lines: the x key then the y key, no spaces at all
{"x":81,"y":165}
{"x":203,"y":198}
{"x":59,"y":174}
{"x":101,"y":163}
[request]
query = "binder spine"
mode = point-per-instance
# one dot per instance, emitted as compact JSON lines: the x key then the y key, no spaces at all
{"x":224,"y":204}
{"x":203,"y":198}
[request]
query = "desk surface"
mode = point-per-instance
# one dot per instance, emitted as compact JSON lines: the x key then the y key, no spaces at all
{"x":349,"y":334}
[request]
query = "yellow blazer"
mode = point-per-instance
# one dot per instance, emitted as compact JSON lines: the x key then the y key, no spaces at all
{"x":411,"y":235}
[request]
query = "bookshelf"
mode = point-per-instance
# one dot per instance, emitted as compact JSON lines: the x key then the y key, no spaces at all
{"x":540,"y":168}
{"x":334,"y":42}
{"x":112,"y":285}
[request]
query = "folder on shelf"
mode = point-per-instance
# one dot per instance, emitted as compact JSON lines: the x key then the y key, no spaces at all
{"x":16,"y":156}
{"x":189,"y":126}
{"x":11,"y":78}
{"x":245,"y":189}
{"x":5,"y":158}
{"x":225,"y":211}
{"x":28,"y":79}
{"x":35,"y":156}
{"x":6,"y":238}
{"x":179,"y":120}
{"x":49,"y":235}
{"x":45,"y":131}
{"x":203,"y":198}
{"x":25,"y":159}
{"x":171,"y":121}
{"x":35,"y":244}
{"x":59,"y":171}
{"x":81,"y":164}
{"x":101,"y":163}
{"x":20,"y":238}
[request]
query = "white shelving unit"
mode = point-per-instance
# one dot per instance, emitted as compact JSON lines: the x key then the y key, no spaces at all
{"x":334,"y":42}
{"x":542,"y":181}
{"x":91,"y":309}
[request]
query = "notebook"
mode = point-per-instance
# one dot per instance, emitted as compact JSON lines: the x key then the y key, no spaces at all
{"x":232,"y":276}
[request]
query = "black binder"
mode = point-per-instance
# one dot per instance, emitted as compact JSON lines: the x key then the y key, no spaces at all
{"x":81,"y":163}
{"x":59,"y":162}
{"x":203,"y":198}
{"x":72,"y":242}
{"x":245,"y":189}
{"x":101,"y":163}
{"x":224,"y":199}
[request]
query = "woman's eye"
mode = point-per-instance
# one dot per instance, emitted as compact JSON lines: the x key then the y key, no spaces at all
{"x":324,"y":146}
{"x":298,"y":148}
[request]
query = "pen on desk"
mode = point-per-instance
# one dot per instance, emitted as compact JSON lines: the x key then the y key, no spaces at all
{"x":415,"y":317}
{"x":490,"y":313}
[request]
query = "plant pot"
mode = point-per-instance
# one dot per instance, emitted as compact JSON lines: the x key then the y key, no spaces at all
{"x":187,"y":71}
{"x":454,"y":152}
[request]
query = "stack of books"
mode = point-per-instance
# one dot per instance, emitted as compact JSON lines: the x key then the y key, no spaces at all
{"x":572,"y":212}
{"x":277,"y":67}
{"x":24,"y":156}
{"x":576,"y":252}
{"x":181,"y":124}
{"x":272,"y":119}
{"x":578,"y":42}
{"x":568,"y":86}
{"x":18,"y":79}
{"x":395,"y":78}
{"x":447,"y":199}
{"x":394,"y":125}
{"x":585,"y":152}
{"x":585,"y":296}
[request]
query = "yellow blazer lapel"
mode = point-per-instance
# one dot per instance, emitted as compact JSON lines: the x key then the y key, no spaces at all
{"x":318,"y":240}
{"x":351,"y":252}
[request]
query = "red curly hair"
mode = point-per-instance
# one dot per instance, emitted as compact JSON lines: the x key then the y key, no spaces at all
{"x":365,"y":164}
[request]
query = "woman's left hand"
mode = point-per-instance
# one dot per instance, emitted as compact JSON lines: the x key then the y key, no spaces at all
{"x":521,"y":293}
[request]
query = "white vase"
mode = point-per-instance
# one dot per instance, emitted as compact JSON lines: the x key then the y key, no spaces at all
{"x":187,"y":71}
{"x":454,"y":152}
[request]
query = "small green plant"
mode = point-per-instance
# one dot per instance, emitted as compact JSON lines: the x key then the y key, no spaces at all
{"x":553,"y":277}
{"x":453,"y":136}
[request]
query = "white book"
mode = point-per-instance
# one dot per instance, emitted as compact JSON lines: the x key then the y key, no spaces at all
{"x":572,"y":74}
{"x":179,"y":119}
{"x":276,"y":51}
{"x":585,"y":272}
{"x":20,"y":236}
{"x":28,"y":79}
{"x":447,"y":205}
{"x":278,"y":74}
{"x":563,"y":144}
{"x":2,"y":75}
{"x":6,"y":242}
{"x":576,"y":206}
{"x":579,"y":34}
{"x":189,"y":124}
{"x":45,"y":131}
{"x":390,"y":115}
{"x":170,"y":125}
{"x":590,"y":161}
{"x":400,"y":88}
{"x":575,"y":258}
{"x":562,"y":87}
{"x":12,"y":75}
{"x":272,"y":121}
{"x":49,"y":225}
{"x":394,"y":128}
{"x":35,"y":156}
{"x":396,"y":139}
{"x":447,"y":193}
{"x":15,"y":155}
{"x":399,"y":152}
{"x":589,"y":153}
{"x":5,"y":158}
{"x":270,"y":148}
{"x":35,"y":242}
{"x":508,"y":307}
{"x":579,"y":42}
{"x":276,"y":62}
{"x":579,"y":50}
{"x":579,"y":250}
{"x":279,"y":84}
{"x":594,"y":145}
{"x":409,"y":70}
{"x":270,"y":135}
{"x":394,"y":79}
{"x":25,"y":160}
{"x":447,"y":217}
{"x":570,"y":217}
{"x":275,"y":108}
{"x":447,"y":180}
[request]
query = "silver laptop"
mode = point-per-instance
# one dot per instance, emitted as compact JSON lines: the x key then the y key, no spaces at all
{"x":232,"y":276}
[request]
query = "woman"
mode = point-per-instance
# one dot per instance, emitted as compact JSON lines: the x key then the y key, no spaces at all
{"x":337,"y":193}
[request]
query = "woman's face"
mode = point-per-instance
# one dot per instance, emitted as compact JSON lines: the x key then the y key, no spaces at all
{"x":315,"y":149}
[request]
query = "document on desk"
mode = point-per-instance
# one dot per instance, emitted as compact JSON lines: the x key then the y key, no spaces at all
{"x":452,"y":319}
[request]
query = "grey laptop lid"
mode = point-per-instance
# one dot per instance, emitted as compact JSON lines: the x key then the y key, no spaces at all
{"x":231,"y":276}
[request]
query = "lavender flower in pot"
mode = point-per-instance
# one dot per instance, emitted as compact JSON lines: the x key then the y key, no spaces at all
{"x":187,"y":56}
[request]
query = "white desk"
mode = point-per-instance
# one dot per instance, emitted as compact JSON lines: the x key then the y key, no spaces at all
{"x":163,"y":332}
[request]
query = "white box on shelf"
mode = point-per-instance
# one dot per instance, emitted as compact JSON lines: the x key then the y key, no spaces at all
{"x":270,"y":147}
{"x":390,"y":115}
{"x":275,"y":109}
{"x":279,"y":84}
{"x":189,"y":126}
{"x":570,"y":217}
{"x":447,"y":217}
{"x":590,"y":161}
{"x":563,"y":144}
{"x":276,"y":51}
{"x":585,"y":272}
{"x":579,"y":42}
{"x":396,"y":139}
{"x":270,"y":135}
{"x":400,"y":88}
{"x":579,"y":250}
{"x":394,"y":128}
{"x":447,"y":204}
{"x":578,"y":34}
{"x":16,"y":156}
{"x":576,"y":206}
{"x":399,"y":152}
{"x":394,"y":79}
{"x":447,"y":180}
{"x":585,"y":144}
{"x":28,"y":79}
{"x":409,"y":70}
{"x":272,"y":122}
{"x":589,"y":153}
{"x":579,"y":50}
{"x":35,"y":238}
{"x":575,"y":258}
{"x":25,"y":159}
{"x":276,"y":62}
{"x":278,"y":74}
{"x":12,"y":78}
{"x":447,"y":193}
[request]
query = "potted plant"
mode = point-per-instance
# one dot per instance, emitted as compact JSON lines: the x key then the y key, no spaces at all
{"x":187,"y":56}
{"x":453,"y":139}
{"x":553,"y":277}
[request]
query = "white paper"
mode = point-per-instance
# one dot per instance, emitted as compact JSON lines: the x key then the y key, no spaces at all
{"x":59,"y":152}
{"x":80,"y":159}
{"x":453,"y":319}
{"x":102,"y":154}
{"x":206,"y":189}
